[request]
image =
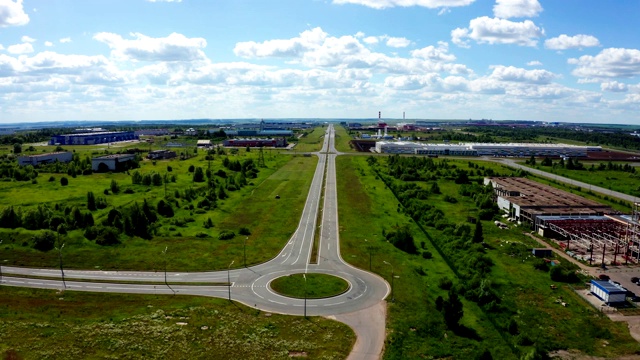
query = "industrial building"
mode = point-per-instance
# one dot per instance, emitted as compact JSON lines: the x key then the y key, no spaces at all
{"x":161,"y":154}
{"x":256,"y":142}
{"x":586,"y":229}
{"x":485,"y":149}
{"x":204,"y":144}
{"x":60,"y":156}
{"x":93,"y":138}
{"x":152,"y":132}
{"x":253,"y":132}
{"x":608,"y":292}
{"x":114,"y":162}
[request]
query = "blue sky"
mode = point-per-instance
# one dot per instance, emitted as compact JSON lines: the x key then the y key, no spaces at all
{"x":560,"y":60}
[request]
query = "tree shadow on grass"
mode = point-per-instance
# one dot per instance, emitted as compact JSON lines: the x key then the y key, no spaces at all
{"x":467,"y":332}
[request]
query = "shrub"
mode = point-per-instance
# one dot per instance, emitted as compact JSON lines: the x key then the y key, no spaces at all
{"x":64,"y":181}
{"x":202,"y":235}
{"x":129,"y":191}
{"x":115,"y":188}
{"x":169,"y":168}
{"x":427,"y":255}
{"x":244,"y":231}
{"x":44,"y":241}
{"x":445,"y":283}
{"x":192,"y":168}
{"x":226,"y":235}
{"x":52,"y":179}
{"x":107,"y":236}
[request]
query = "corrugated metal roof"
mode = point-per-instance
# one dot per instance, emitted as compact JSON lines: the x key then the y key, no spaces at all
{"x":610,"y":287}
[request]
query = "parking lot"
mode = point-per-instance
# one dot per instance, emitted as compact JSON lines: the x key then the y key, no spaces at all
{"x":623,"y":276}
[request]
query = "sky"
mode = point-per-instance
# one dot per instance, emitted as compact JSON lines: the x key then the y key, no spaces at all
{"x":553,"y":60}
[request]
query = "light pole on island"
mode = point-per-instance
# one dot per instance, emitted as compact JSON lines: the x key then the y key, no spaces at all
{"x":229,"y":278}
{"x":0,"y":266}
{"x":244,"y":248}
{"x":392,"y":276}
{"x":305,"y":295}
{"x":61,"y":269}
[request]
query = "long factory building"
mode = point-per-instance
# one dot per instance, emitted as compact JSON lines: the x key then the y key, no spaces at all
{"x":484,"y":149}
{"x":92,"y":138}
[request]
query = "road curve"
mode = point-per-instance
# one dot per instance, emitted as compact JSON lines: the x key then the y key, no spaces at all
{"x":251,"y":285}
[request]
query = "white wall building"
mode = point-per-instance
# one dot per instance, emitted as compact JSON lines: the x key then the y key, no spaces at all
{"x":485,"y":149}
{"x":60,"y":156}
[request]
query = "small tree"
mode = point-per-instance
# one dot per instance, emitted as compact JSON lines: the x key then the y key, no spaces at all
{"x":91,"y":201}
{"x":64,"y":181}
{"x":478,"y":236}
{"x":115,"y":188}
{"x":17,"y":148}
{"x":452,"y":310}
{"x":198,"y":175}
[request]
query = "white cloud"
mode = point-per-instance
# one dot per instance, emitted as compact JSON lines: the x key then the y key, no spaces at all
{"x":564,"y":42}
{"x":440,"y":53}
{"x":27,"y":39}
{"x":497,"y":31}
{"x":153,"y":1}
{"x":516,"y":8}
{"x":308,"y":39}
{"x":175,"y":47}
{"x":398,"y":42}
{"x":48,"y":44}
{"x":12,"y":13}
{"x":534,"y":63}
{"x":23,"y":48}
{"x":613,"y":86}
{"x":371,"y":40}
{"x":383,"y":4}
{"x":514,"y":74}
{"x":609,"y":63}
{"x":65,"y":40}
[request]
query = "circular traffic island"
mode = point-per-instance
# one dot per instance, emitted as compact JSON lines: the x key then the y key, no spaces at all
{"x":317,"y":286}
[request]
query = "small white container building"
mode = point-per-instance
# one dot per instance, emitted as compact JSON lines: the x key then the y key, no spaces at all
{"x":608,"y":292}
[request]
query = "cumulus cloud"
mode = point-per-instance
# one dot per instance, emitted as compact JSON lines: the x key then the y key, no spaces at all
{"x":27,"y":39}
{"x":175,"y":47}
{"x":516,"y":8}
{"x":564,"y":42}
{"x":514,"y":74}
{"x":308,"y":39}
{"x":153,"y":1}
{"x":65,"y":40}
{"x":613,"y":86}
{"x":398,"y":42}
{"x":48,"y":44}
{"x":371,"y":40}
{"x":497,"y":31}
{"x":440,"y":53}
{"x":534,"y":63}
{"x":609,"y":63}
{"x":12,"y":13}
{"x":383,"y":4}
{"x":23,"y":48}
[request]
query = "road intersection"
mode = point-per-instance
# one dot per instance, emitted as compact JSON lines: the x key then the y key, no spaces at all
{"x":250,"y":285}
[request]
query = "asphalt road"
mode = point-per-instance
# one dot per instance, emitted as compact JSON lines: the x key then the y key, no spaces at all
{"x":250,"y":286}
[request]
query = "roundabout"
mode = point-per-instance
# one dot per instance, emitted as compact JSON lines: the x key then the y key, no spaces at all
{"x":310,"y":286}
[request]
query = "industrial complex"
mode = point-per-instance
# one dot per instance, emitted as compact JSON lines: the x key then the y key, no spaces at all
{"x":39,"y":159}
{"x":588,"y":230}
{"x":92,"y":138}
{"x":484,"y":149}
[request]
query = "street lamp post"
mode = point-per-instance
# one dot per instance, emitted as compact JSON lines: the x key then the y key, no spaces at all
{"x":305,"y":295}
{"x":392,"y":276}
{"x":229,"y":278}
{"x":244,"y":248}
{"x":61,"y":268}
{"x":0,"y":266}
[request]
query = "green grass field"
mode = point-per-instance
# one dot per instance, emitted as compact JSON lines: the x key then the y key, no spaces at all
{"x":316,"y":286}
{"x":342,"y":139}
{"x":366,"y":207}
{"x":312,"y":141}
{"x":45,"y":324}
{"x":251,"y":207}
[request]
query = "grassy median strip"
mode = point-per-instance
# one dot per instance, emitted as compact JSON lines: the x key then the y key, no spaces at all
{"x":316,"y":286}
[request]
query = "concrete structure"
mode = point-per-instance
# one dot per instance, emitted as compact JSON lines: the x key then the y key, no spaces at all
{"x":161,"y":154}
{"x":608,"y":292}
{"x":250,"y":132}
{"x":486,"y":149}
{"x":93,"y":138}
{"x":204,"y":144}
{"x":525,"y":200}
{"x":542,"y":252}
{"x":152,"y":132}
{"x":191,"y":132}
{"x":256,"y":142}
{"x":114,"y":162}
{"x":60,"y":156}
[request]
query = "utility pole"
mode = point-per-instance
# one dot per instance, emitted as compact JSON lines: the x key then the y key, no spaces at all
{"x":61,"y":269}
{"x":165,"y":269}
{"x":229,"y":278}
{"x":1,"y":266}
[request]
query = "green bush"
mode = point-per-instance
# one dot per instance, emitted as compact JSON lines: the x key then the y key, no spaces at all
{"x":226,"y":235}
{"x":44,"y":241}
{"x":64,"y":181}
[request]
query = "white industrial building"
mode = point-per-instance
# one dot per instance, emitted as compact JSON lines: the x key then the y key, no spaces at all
{"x":485,"y":149}
{"x":114,"y":162}
{"x":60,"y":156}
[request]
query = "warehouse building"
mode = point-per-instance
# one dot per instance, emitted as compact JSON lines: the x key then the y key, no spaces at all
{"x":60,"y":156}
{"x":608,"y":292}
{"x":161,"y":154}
{"x":530,"y":202}
{"x":256,"y":142}
{"x":114,"y":162}
{"x":485,"y":149}
{"x":93,"y":138}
